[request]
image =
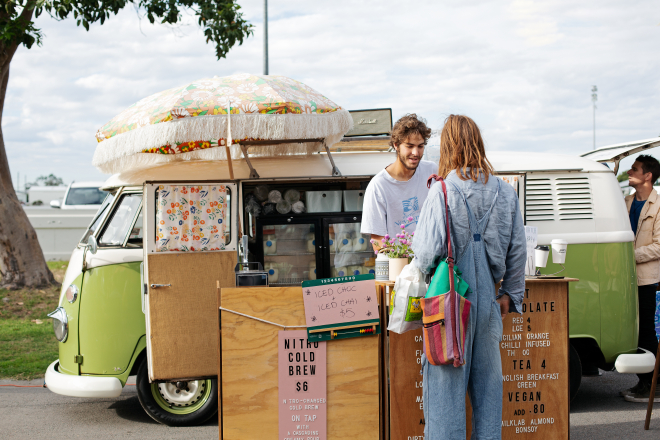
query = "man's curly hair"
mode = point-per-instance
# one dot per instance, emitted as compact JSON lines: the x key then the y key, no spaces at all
{"x":409,"y":125}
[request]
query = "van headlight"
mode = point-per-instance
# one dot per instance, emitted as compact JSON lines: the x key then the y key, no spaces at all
{"x":60,"y":324}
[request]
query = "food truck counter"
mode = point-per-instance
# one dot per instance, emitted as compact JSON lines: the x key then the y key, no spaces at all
{"x":277,"y":384}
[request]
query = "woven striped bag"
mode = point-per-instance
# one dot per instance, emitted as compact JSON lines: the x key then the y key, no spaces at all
{"x":445,"y":316}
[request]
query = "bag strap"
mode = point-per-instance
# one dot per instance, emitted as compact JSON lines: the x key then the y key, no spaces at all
{"x":454,"y":313}
{"x":450,"y":256}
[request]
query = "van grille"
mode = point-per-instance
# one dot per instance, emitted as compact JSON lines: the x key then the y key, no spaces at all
{"x":560,"y":198}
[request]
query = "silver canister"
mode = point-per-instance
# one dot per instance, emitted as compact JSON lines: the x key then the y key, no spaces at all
{"x":382,"y":267}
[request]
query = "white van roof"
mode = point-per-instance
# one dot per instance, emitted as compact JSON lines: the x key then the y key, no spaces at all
{"x":518,"y":161}
{"x":351,"y":165}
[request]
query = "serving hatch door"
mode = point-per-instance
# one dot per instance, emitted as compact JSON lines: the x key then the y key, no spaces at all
{"x":615,"y":153}
{"x":190,"y":246}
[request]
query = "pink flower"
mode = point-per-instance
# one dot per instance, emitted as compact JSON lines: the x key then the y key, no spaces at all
{"x":387,"y":236}
{"x":403,"y":241}
{"x":372,"y":241}
{"x":403,"y":226}
{"x":383,"y":240}
{"x":410,"y":219}
{"x":412,"y":234}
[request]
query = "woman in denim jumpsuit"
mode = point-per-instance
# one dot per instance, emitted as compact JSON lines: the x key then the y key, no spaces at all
{"x":488,"y":239}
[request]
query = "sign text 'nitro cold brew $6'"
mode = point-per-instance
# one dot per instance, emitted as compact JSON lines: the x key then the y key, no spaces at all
{"x":302,"y":387}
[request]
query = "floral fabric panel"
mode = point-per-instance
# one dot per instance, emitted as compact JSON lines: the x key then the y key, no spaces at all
{"x":186,"y":147}
{"x":247,"y":94}
{"x":191,"y":218}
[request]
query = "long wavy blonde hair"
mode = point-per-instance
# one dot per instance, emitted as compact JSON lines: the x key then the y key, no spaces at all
{"x":461,"y":147}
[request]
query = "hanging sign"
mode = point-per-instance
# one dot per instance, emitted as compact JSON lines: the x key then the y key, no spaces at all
{"x":343,"y":307}
{"x":302,"y":382}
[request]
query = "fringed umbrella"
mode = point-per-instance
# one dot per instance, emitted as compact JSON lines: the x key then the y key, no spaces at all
{"x":274,"y":115}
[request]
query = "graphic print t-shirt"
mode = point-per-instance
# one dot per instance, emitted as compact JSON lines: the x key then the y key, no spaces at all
{"x":388,"y":203}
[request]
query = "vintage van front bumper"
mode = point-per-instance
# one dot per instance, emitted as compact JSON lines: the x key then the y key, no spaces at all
{"x":81,"y":386}
{"x":637,"y":363}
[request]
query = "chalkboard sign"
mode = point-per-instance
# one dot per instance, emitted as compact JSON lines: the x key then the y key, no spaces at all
{"x":343,"y":307}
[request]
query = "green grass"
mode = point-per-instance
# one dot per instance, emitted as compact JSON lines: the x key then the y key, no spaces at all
{"x":26,"y":347}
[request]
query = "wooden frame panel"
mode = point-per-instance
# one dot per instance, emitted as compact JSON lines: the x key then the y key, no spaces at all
{"x":183,"y":319}
{"x":250,"y":377}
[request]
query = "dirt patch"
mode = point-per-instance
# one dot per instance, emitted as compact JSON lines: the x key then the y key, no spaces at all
{"x":27,"y":341}
{"x":33,"y":303}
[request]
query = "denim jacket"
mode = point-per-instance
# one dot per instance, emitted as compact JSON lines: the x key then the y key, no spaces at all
{"x":504,"y":236}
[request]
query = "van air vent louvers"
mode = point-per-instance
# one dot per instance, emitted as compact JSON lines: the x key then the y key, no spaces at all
{"x":539,"y":204}
{"x":561,"y":198}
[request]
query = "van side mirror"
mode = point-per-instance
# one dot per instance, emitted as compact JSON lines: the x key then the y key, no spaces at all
{"x":92,"y":244}
{"x":55,"y":204}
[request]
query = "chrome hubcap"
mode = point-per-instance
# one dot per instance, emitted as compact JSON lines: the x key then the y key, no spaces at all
{"x":182,"y":395}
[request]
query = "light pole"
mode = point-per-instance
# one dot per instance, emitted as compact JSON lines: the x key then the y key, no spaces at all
{"x":265,"y":37}
{"x":594,"y":98}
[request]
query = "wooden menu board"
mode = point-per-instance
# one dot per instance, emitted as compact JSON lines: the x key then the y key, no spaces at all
{"x":406,"y":408}
{"x":535,"y":379}
{"x":535,"y":364}
{"x":249,"y":404}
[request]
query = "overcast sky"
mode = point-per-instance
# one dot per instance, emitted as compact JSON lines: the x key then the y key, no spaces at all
{"x":522,"y":69}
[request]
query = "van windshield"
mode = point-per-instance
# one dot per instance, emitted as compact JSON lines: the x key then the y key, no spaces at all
{"x":121,"y":221}
{"x":85,"y":196}
{"x":99,"y":217}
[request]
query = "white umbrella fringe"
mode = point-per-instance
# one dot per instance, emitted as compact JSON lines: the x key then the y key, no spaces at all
{"x":125,"y":151}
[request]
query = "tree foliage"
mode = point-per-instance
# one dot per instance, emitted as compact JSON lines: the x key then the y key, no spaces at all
{"x":221,"y":20}
{"x":49,"y":180}
{"x":21,"y":259}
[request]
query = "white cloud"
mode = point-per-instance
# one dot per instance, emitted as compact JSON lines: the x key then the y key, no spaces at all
{"x":522,"y":70}
{"x":535,"y":24}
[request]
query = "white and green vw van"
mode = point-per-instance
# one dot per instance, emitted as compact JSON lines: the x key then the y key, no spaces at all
{"x":103,"y":319}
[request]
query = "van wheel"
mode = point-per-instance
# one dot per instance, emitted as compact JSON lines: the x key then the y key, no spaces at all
{"x":575,"y":373}
{"x":177,"y":403}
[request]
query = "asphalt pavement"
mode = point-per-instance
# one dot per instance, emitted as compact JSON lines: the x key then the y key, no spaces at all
{"x":37,"y":413}
{"x":598,"y":412}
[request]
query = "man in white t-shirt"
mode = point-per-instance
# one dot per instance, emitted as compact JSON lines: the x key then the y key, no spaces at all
{"x":395,"y":195}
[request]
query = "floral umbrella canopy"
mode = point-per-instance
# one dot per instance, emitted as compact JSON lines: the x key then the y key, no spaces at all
{"x":189,"y":122}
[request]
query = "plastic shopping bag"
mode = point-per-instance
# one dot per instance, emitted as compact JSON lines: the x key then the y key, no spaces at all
{"x":405,"y":306}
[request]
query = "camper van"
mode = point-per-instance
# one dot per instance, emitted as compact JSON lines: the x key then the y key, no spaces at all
{"x":107,"y":311}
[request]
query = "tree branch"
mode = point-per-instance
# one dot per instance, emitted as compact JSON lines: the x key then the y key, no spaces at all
{"x":7,"y":51}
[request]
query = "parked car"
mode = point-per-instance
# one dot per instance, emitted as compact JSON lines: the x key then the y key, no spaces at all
{"x":38,"y":195}
{"x":81,"y":195}
{"x":100,"y":321}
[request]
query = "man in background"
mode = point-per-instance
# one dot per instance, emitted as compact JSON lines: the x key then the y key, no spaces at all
{"x":396,"y":194}
{"x":644,"y":211}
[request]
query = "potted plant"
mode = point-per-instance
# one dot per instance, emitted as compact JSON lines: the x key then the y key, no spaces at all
{"x":399,"y":251}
